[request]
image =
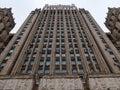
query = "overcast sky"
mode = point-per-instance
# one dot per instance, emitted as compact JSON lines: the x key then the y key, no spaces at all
{"x":22,"y":8}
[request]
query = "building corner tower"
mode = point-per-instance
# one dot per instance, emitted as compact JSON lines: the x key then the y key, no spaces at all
{"x":6,"y":25}
{"x":113,"y":24}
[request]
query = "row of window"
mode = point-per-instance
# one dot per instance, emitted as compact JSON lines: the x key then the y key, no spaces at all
{"x":15,"y":44}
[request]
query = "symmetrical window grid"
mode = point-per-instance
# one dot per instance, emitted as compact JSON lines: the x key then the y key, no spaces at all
{"x":60,"y":62}
{"x":15,"y":43}
{"x":108,"y":49}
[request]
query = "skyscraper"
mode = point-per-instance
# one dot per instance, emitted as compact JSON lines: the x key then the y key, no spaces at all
{"x":60,"y":47}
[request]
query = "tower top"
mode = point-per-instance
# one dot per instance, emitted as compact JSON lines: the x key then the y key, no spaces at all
{"x":60,"y":6}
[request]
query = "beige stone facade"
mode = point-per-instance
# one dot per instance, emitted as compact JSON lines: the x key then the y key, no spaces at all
{"x":6,"y":25}
{"x":60,"y":47}
{"x":113,"y":24}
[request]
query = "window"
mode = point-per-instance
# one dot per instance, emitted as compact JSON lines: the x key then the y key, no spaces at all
{"x":47,"y":71}
{"x":81,"y":70}
{"x":71,"y":55}
{"x":48,"y":55}
{"x":108,"y":49}
{"x":92,"y":54}
{"x":91,"y":70}
{"x":42,"y":55}
{"x":47,"y":63}
{"x":88,"y":62}
{"x":22,"y":71}
{"x":40,"y":71}
{"x":2,"y":64}
{"x":29,"y":71}
{"x":57,"y":55}
{"x":31,"y":62}
{"x":117,"y":63}
{"x":31,"y":49}
{"x":34,"y":55}
{"x":25,"y":62}
{"x":74,"y":71}
{"x":79,"y":62}
{"x":95,"y":62}
{"x":64,"y":71}
{"x":44,"y":48}
{"x":63,"y":55}
{"x":11,"y":51}
{"x":63,"y":62}
{"x":86,"y":54}
{"x":7,"y":57}
{"x":57,"y":62}
{"x":112,"y":54}
{"x":57,"y":71}
{"x":36,"y":48}
{"x":97,"y":70}
{"x":77,"y":55}
{"x":73,"y":62}
{"x":41,"y":63}
{"x":28,"y":55}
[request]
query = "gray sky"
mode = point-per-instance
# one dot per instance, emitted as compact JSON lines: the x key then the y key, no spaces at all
{"x":22,"y":8}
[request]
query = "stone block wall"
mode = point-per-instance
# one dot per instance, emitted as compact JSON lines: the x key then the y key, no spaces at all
{"x":16,"y":84}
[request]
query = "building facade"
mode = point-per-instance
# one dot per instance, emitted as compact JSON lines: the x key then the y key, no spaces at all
{"x":60,"y":47}
{"x":113,"y":24}
{"x":6,"y":25}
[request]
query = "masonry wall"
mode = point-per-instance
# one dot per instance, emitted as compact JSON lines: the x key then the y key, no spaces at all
{"x":6,"y":25}
{"x":60,"y":46}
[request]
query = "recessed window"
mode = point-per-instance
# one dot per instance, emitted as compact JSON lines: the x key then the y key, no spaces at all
{"x":31,"y":62}
{"x":112,"y":55}
{"x":25,"y":62}
{"x":92,"y":54}
{"x":47,"y":63}
{"x":2,"y":64}
{"x":63,"y":55}
{"x":97,"y":69}
{"x":28,"y":55}
{"x":74,"y":71}
{"x":48,"y":55}
{"x":57,"y":71}
{"x":47,"y":71}
{"x":31,"y":49}
{"x":41,"y":63}
{"x":57,"y":55}
{"x":64,"y":71}
{"x":7,"y":57}
{"x":91,"y":70}
{"x":34,"y":55}
{"x":88,"y":62}
{"x":22,"y":71}
{"x":73,"y":62}
{"x":78,"y":55}
{"x":36,"y":48}
{"x":63,"y":62}
{"x":86,"y":54}
{"x":40,"y":71}
{"x":117,"y":63}
{"x":29,"y":71}
{"x":42,"y":55}
{"x":79,"y":62}
{"x":57,"y":63}
{"x":71,"y":55}
{"x":11,"y":51}
{"x":81,"y":70}
{"x":94,"y":61}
